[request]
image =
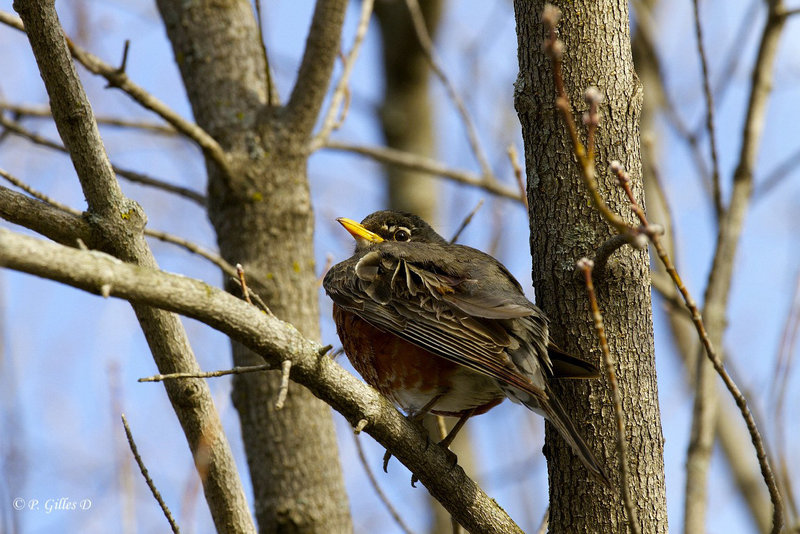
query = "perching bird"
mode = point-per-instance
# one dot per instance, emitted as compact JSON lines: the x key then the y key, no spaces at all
{"x":443,"y":328}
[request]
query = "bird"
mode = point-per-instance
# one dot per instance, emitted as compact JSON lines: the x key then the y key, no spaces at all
{"x":445,"y":328}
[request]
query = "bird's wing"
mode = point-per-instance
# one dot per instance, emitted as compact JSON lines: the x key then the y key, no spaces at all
{"x":404,"y":295}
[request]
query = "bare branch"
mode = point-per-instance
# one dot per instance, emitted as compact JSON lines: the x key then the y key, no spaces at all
{"x":53,"y":222}
{"x":716,"y":361}
{"x":554,"y":48}
{"x":427,"y":46}
{"x":721,"y":273}
{"x":514,"y":158}
{"x":275,"y":341}
{"x":43,"y":112}
{"x":119,"y":222}
{"x":119,"y":79}
{"x":150,"y":484}
{"x":712,"y":135}
{"x":464,"y":224}
{"x":209,"y":374}
{"x":422,"y":164}
{"x":133,"y":176}
{"x":586,"y":266}
{"x":314,"y":75}
{"x":377,"y":488}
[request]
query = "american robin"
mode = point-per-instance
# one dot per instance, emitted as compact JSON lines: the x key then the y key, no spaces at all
{"x":443,"y":328}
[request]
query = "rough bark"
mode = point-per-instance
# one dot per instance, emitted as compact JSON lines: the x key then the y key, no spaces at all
{"x":564,"y":227}
{"x":263,"y":218}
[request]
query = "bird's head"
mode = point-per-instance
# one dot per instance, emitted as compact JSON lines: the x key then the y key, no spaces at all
{"x":387,"y":225}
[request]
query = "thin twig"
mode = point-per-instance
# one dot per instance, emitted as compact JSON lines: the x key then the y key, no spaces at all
{"x":37,"y":194}
{"x":150,"y":484}
{"x":712,"y":135}
{"x":120,"y":80}
{"x":209,"y":374}
{"x":780,"y":378}
{"x":330,"y":121}
{"x":283,"y":391}
{"x":194,"y":248}
{"x":783,"y":170}
{"x":426,"y":44}
{"x":43,"y":112}
{"x":466,"y":221}
{"x":555,"y":48}
{"x":133,"y":176}
{"x":376,"y":487}
{"x":697,"y":319}
{"x":418,"y":163}
{"x":585,"y":265}
{"x":513,"y":157}
{"x":243,"y":283}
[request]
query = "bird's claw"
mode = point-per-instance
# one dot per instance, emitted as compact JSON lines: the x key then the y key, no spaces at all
{"x":386,"y":458}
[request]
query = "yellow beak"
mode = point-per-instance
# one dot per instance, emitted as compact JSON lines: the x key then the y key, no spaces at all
{"x":358,"y":231}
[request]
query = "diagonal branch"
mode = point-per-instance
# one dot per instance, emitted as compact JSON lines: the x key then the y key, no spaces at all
{"x":118,"y":78}
{"x":721,"y":274}
{"x":330,"y":123}
{"x":132,"y":176}
{"x":275,"y":341}
{"x":427,"y":46}
{"x":119,"y":222}
{"x":133,"y":124}
{"x":712,"y":134}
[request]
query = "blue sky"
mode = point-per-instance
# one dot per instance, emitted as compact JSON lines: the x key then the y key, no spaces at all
{"x":69,"y":360}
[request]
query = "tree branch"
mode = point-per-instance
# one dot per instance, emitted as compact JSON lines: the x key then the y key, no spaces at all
{"x":132,"y":176}
{"x":414,"y":162}
{"x":329,"y":123}
{"x":119,"y":223}
{"x":133,"y":124}
{"x":150,"y":484}
{"x":48,"y":220}
{"x":119,"y":79}
{"x":712,"y":134}
{"x":312,"y":81}
{"x":721,"y":274}
{"x":275,"y":341}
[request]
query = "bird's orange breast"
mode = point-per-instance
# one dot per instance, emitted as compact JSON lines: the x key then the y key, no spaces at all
{"x":409,"y":375}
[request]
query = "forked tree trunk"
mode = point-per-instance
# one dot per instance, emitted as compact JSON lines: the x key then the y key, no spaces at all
{"x":565,"y":227}
{"x":263,"y":219}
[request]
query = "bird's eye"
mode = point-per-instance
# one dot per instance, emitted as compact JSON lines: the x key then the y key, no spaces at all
{"x":402,"y":234}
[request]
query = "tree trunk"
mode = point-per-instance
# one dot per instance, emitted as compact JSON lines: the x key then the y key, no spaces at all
{"x":406,"y":101}
{"x":565,"y":226}
{"x":263,"y":219}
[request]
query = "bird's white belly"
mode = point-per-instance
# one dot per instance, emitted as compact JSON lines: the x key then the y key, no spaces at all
{"x":467,"y":390}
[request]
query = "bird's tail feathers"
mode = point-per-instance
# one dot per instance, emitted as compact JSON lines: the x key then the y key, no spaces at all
{"x":554,"y":412}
